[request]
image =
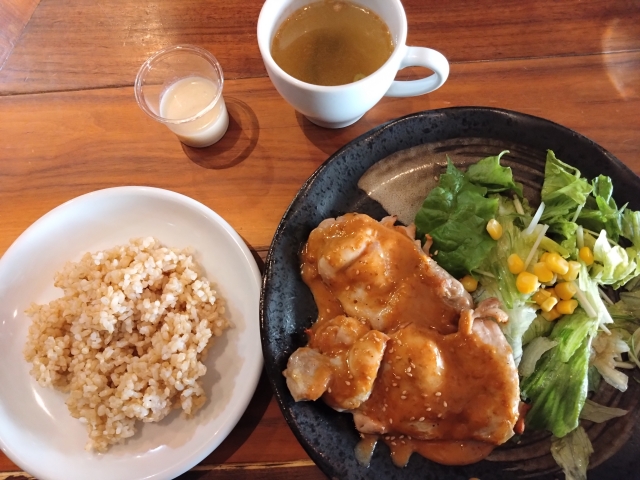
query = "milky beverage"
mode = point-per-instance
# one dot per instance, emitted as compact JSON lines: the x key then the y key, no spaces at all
{"x":186,"y":98}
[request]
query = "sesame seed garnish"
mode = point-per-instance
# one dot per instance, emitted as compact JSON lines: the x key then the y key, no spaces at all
{"x":350,"y":377}
{"x":445,"y":403}
{"x":403,"y":397}
{"x":329,"y":389}
{"x":410,"y":374}
{"x":408,"y":437}
{"x":404,"y":392}
{"x":438,"y":394}
{"x":391,"y":421}
{"x":328,"y":310}
{"x":393,"y":443}
{"x":421,"y":419}
{"x":386,"y":389}
{"x":393,"y":438}
{"x":357,"y":272}
{"x":413,"y":365}
{"x":439,"y":415}
{"x":391,"y":350}
{"x":408,"y":369}
{"x":368,"y":287}
{"x":347,"y":382}
{"x":398,"y":357}
{"x":394,"y":384}
{"x":429,"y":409}
{"x":403,"y":442}
{"x":384,"y":409}
{"x":401,"y":437}
{"x":412,"y":419}
{"x":425,"y":395}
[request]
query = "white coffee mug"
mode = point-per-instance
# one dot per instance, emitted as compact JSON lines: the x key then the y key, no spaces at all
{"x":342,"y":105}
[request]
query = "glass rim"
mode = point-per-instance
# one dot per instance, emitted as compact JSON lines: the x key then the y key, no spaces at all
{"x":167,"y":51}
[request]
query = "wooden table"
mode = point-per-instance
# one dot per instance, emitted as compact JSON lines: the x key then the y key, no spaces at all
{"x":69,"y":123}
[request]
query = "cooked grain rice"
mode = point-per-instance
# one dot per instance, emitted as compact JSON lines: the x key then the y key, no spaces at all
{"x":128,"y":337}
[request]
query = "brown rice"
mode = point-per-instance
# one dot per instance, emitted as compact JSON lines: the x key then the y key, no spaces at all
{"x":128,"y":337}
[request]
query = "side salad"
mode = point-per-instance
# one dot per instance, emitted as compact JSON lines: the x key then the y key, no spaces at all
{"x":568,"y":275}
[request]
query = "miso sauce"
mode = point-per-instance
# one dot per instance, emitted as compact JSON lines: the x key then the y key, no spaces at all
{"x":332,"y":42}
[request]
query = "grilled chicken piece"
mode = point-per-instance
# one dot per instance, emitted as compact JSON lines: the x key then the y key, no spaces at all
{"x":460,"y":386}
{"x":408,"y":353}
{"x":378,"y":273}
{"x":350,"y":350}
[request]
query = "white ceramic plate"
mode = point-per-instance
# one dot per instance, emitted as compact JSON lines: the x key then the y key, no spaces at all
{"x":36,"y":430}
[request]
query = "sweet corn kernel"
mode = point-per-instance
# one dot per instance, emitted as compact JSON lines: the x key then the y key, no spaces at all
{"x":548,"y":304}
{"x":515,"y":263}
{"x":565,"y":290}
{"x":494,"y":228}
{"x":543,"y":273}
{"x":527,"y":282}
{"x":586,"y":255}
{"x":557,"y":264}
{"x":543,"y":257}
{"x":572,"y":274}
{"x":540,"y":296}
{"x":551,"y":315}
{"x":469,"y":283}
{"x":566,"y":307}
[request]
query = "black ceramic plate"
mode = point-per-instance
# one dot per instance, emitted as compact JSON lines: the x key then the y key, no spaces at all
{"x":287,"y":306}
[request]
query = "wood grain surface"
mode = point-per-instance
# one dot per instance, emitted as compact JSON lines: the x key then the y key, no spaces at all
{"x":55,"y":53}
{"x":69,"y":123}
{"x":71,"y":143}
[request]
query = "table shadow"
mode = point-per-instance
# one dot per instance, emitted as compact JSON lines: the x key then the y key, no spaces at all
{"x":326,"y":138}
{"x":236,"y":145}
{"x":246,"y":425}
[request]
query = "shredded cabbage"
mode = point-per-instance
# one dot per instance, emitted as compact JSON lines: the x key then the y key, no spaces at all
{"x":572,"y":453}
{"x":607,"y":356}
{"x":594,"y":412}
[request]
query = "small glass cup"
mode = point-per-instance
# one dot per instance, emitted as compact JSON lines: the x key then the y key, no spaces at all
{"x":181,"y":87}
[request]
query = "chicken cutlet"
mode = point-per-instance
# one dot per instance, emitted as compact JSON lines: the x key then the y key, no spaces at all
{"x":398,"y":344}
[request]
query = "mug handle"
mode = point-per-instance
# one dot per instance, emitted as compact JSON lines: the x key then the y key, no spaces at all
{"x":420,"y":57}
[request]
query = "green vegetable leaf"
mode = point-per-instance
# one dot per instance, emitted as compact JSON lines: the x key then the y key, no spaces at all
{"x":455,"y":214}
{"x":615,"y":266}
{"x":572,"y":454}
{"x":560,"y":374}
{"x":600,"y":211}
{"x":631,"y":227}
{"x":494,"y":177}
{"x":563,"y":193}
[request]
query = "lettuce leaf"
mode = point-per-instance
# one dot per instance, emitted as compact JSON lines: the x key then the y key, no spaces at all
{"x":615,"y":265}
{"x":494,"y":177}
{"x":572,"y":454}
{"x":600,"y":211}
{"x":455,"y":215}
{"x":594,"y":412}
{"x":563,"y":193}
{"x":561,"y":374}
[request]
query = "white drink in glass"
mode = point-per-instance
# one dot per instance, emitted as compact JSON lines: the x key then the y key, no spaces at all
{"x":186,"y":98}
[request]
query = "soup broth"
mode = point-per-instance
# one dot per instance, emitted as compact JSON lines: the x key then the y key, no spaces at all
{"x":332,"y":42}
